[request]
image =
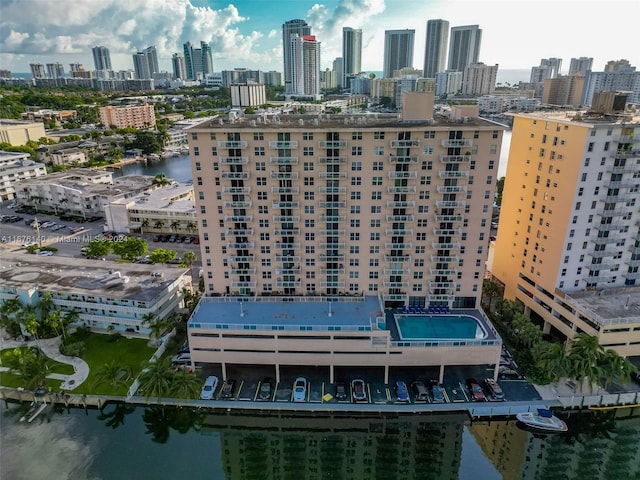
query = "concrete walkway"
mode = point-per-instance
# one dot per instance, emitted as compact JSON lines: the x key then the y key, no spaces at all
{"x":51,"y":348}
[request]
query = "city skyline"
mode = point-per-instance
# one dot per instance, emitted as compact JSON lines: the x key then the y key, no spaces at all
{"x":247,"y":33}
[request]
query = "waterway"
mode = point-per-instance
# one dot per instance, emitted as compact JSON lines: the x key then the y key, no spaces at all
{"x":179,"y":168}
{"x":125,"y":442}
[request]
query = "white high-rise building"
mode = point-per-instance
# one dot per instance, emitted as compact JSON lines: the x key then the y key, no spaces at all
{"x":305,"y":65}
{"x":549,"y":68}
{"x":435,"y":50}
{"x":464,"y":47}
{"x":479,"y":79}
{"x":398,"y":50}
{"x":351,"y":53}
{"x":179,"y":68}
{"x":337,"y":68}
{"x":580,"y":66}
{"x":101,"y":58}
{"x":292,"y":27}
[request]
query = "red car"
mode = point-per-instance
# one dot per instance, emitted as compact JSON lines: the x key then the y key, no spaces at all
{"x":477,"y":394}
{"x":196,"y":240}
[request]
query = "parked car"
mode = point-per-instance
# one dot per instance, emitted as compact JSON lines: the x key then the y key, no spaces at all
{"x":184,"y":348}
{"x":156,"y":238}
{"x":341,"y":391}
{"x":402,"y":393}
{"x":196,"y":240}
{"x":477,"y":395}
{"x":508,"y":372}
{"x":228,"y":389}
{"x":437,"y":393}
{"x":265,"y":390}
{"x":181,"y":359}
{"x":209,"y":388}
{"x":45,"y":253}
{"x":28,"y":244}
{"x":494,"y":389}
{"x":57,"y":227}
{"x":420,"y":391}
{"x":359,"y":390}
{"x":300,"y":390}
{"x":47,"y":224}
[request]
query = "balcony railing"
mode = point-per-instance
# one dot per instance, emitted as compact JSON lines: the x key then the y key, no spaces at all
{"x":243,"y":284}
{"x":233,"y":144}
{"x":283,"y":160}
{"x":394,"y":258}
{"x":245,"y":232}
{"x":398,"y":246}
{"x":395,"y":284}
{"x":291,"y":231}
{"x":236,"y":190}
{"x":335,"y":283}
{"x":458,"y":142}
{"x":332,"y":233}
{"x":333,"y":190}
{"x":394,"y":159}
{"x":285,"y":205}
{"x":241,"y":258}
{"x":441,"y":285}
{"x":443,"y":271}
{"x":453,"y":174}
{"x":445,"y":258}
{"x":333,"y":143}
{"x":454,"y":158}
{"x":448,"y":218}
{"x":287,"y":271}
{"x":400,"y":218}
{"x":332,"y":160}
{"x":286,"y":218}
{"x":238,"y":218}
{"x":403,"y":204}
{"x":618,"y":212}
{"x":283,"y":144}
{"x":405,"y":143}
{"x":451,"y":189}
{"x":287,"y":258}
{"x":440,"y":298}
{"x":438,"y":232}
{"x":332,"y":271}
{"x":397,"y":271}
{"x":339,"y":257}
{"x":393,"y":232}
{"x":243,"y":271}
{"x":333,"y":204}
{"x":333,"y":218}
{"x":445,"y":246}
{"x":234,"y":160}
{"x":288,"y":283}
{"x":333,"y":246}
{"x":285,"y":175}
{"x":236,"y":204}
{"x":393,"y":175}
{"x":286,"y":246}
{"x":450,"y":203}
{"x":285,"y":189}
{"x":240,"y":245}
{"x":402,"y":189}
{"x":235,"y":175}
{"x":333,"y":175}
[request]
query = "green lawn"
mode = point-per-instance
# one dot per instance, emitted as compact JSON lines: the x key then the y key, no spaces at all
{"x":16,"y":381}
{"x":54,"y":367}
{"x":129,"y":354}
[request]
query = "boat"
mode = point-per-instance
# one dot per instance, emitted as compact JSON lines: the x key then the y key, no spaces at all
{"x":542,"y":419}
{"x":184,"y":150}
{"x":34,"y":411}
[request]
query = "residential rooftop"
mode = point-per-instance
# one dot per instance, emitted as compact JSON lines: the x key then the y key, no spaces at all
{"x":582,"y":116}
{"x":613,"y":306}
{"x":177,"y":197}
{"x":80,"y":276}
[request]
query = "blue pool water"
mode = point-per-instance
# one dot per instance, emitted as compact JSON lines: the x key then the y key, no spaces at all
{"x":439,"y":327}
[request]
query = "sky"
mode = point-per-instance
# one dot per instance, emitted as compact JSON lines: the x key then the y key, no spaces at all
{"x":248,"y":33}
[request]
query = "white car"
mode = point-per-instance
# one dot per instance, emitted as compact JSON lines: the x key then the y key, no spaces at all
{"x":47,"y":224}
{"x":45,"y":253}
{"x":300,"y":390}
{"x":209,"y":388}
{"x":28,"y":244}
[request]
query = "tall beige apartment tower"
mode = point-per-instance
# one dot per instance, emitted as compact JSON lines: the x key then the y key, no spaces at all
{"x":347,"y":204}
{"x":568,"y":243}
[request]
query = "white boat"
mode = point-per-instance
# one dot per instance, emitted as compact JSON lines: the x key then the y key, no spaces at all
{"x":542,"y":419}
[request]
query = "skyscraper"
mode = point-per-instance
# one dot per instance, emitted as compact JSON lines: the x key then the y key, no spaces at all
{"x":55,"y":70}
{"x":152,"y":59}
{"x":305,"y":65}
{"x":351,"y":53}
{"x":179,"y":68}
{"x":398,"y":50}
{"x":464,"y":47}
{"x":101,"y":58}
{"x":435,"y":50}
{"x":580,"y":65}
{"x":145,"y":63}
{"x":198,"y":61}
{"x":289,"y":28}
{"x":37,"y":70}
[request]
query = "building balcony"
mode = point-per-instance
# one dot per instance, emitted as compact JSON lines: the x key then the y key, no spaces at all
{"x":236,"y":204}
{"x":398,"y":259}
{"x":596,"y":267}
{"x":333,"y":205}
{"x":240,"y":245}
{"x":283,"y":144}
{"x":398,"y":246}
{"x":404,"y":143}
{"x":631,"y":275}
{"x":445,"y":258}
{"x":606,"y":240}
{"x":285,"y":233}
{"x":339,"y":257}
{"x":440,"y":298}
{"x":242,"y":271}
{"x":285,"y":175}
{"x":617,"y":212}
{"x":451,"y":203}
{"x":235,"y":175}
{"x":286,"y":218}
{"x":457,"y":142}
{"x":448,"y":218}
{"x":333,"y":246}
{"x":394,"y":232}
{"x":332,"y":233}
{"x":623,"y":197}
{"x":286,"y":246}
{"x":287,"y":259}
{"x":236,"y":190}
{"x":445,"y":246}
{"x":286,"y":205}
{"x":334,"y":283}
{"x":632,"y":168}
{"x":443,"y":271}
{"x":333,"y":190}
{"x":238,"y":218}
{"x":333,"y":143}
{"x":399,"y":218}
{"x":435,"y":286}
{"x":333,"y":218}
{"x":602,"y":253}
{"x":333,"y":175}
{"x":285,"y":190}
{"x":453,"y":174}
{"x":395,"y":159}
{"x":394,"y":175}
{"x":438,"y":232}
{"x":283,"y":160}
{"x":332,"y":271}
{"x":288,"y":283}
{"x":233,"y":144}
{"x":451,"y":189}
{"x":397,"y":271}
{"x":395,"y":284}
{"x":455,"y":158}
{"x":243,"y":284}
{"x":403,"y":204}
{"x":627,"y":153}
{"x":332,"y":160}
{"x":401,"y":189}
{"x":241,"y":258}
{"x":234,"y":160}
{"x":287,"y":271}
{"x":243,"y":232}
{"x":634,"y":263}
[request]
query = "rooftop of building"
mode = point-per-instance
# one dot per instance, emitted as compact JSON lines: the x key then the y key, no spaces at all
{"x":10,"y":121}
{"x":94,"y":182}
{"x":277,"y":121}
{"x":81,"y":276}
{"x":583,"y":116}
{"x":177,"y":197}
{"x":612,"y":306}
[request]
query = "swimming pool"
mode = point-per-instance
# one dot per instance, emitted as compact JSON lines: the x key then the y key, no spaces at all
{"x":439,"y":327}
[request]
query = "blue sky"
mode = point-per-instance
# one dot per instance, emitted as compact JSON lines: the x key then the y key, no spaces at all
{"x":247,"y":33}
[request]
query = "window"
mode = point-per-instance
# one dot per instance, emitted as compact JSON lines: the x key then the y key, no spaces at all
{"x":375,"y":223}
{"x":590,"y":147}
{"x":378,"y":135}
{"x":307,"y":135}
{"x":425,"y":180}
{"x":198,"y":166}
{"x":356,"y":151}
{"x":262,"y":195}
{"x":263,"y":209}
{"x":356,"y":181}
{"x":373,"y":275}
{"x":354,"y":223}
{"x":374,"y":249}
{"x":309,"y":236}
{"x":194,"y":136}
{"x":427,"y":150}
{"x":356,"y":166}
{"x":261,"y":166}
{"x":374,"y":262}
{"x":428,"y":165}
{"x":196,"y":151}
{"x":259,"y":151}
{"x":376,"y":209}
{"x":354,"y":249}
{"x":261,"y":181}
{"x":354,"y":236}
{"x":308,"y":181}
{"x":376,"y":195}
{"x":214,"y":152}
{"x":373,"y":287}
{"x":378,"y":166}
{"x":430,"y":134}
{"x":355,"y":209}
{"x":199,"y":180}
{"x":378,"y":151}
{"x":258,"y":136}
{"x":310,"y":262}
{"x":355,"y":195}
{"x":309,"y":223}
{"x":309,"y":209}
{"x":375,"y":236}
{"x":356,"y":135}
{"x":376,"y":181}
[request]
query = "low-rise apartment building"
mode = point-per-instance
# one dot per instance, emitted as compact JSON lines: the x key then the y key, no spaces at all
{"x":136,"y":116}
{"x":18,"y":132}
{"x":14,"y":167}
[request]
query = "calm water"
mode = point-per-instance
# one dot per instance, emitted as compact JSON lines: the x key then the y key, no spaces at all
{"x":163,"y":443}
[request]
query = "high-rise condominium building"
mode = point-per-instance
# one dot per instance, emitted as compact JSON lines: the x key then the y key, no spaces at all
{"x":101,"y":58}
{"x":549,"y":68}
{"x":464,"y":46}
{"x":564,"y":90}
{"x":398,"y":50}
{"x":55,"y":70}
{"x":289,"y":28}
{"x":179,"y":67}
{"x":375,"y":213}
{"x":305,"y":65}
{"x":198,"y":61}
{"x":580,"y":66}
{"x":351,"y":54}
{"x":568,"y":241}
{"x":479,"y":79}
{"x":338,"y":65}
{"x":37,"y":70}
{"x":141,"y":65}
{"x":435,"y":50}
{"x":619,"y":76}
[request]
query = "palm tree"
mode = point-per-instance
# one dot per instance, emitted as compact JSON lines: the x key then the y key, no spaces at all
{"x":189,"y":257}
{"x":551,"y":358}
{"x":159,"y":224}
{"x":585,"y":358}
{"x":32,"y":366}
{"x":161,"y":180}
{"x":144,"y":224}
{"x":45,"y":304}
{"x":185,"y":384}
{"x":175,"y":225}
{"x":111,"y":374}
{"x":616,"y":366}
{"x":156,"y":326}
{"x":190,"y":227}
{"x":155,"y":379}
{"x":490,"y":290}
